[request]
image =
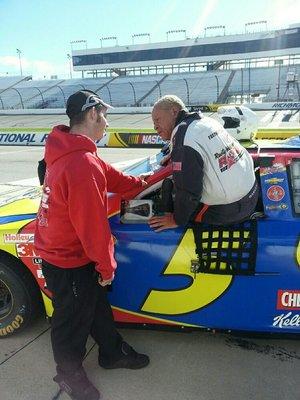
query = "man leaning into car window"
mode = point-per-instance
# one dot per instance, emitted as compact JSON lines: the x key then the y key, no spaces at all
{"x":213,"y":175}
{"x":74,"y":240}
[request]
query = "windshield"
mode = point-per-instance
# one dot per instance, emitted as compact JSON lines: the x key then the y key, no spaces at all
{"x":149,"y":164}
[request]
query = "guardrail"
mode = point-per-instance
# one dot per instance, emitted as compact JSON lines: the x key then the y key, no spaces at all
{"x":133,"y":138}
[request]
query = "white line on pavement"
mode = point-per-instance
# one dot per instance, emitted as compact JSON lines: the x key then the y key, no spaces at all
{"x":19,"y":151}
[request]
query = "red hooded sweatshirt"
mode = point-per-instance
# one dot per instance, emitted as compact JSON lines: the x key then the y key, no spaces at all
{"x":72,"y":228}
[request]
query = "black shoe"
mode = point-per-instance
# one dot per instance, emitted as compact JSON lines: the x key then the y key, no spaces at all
{"x":129,"y":359}
{"x":77,"y":386}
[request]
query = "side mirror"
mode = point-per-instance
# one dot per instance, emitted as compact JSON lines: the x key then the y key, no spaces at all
{"x":136,"y":211}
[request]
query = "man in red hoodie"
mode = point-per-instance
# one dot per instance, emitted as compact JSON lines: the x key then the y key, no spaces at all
{"x":74,"y":240}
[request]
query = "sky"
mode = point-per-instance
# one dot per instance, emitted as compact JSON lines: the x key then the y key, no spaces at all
{"x":43,"y":29}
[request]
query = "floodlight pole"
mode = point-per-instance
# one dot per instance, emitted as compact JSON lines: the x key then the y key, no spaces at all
{"x":176,"y":31}
{"x":207,"y":28}
{"x":218,"y":87}
{"x":78,"y":41}
{"x":19,"y":54}
{"x":70,"y":64}
{"x":255,"y":23}
{"x":109,"y":38}
{"x":135,"y":35}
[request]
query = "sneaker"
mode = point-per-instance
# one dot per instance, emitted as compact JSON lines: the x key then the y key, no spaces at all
{"x":77,"y":386}
{"x":129,"y":359}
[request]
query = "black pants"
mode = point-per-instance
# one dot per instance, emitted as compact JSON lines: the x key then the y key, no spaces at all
{"x":238,"y":211}
{"x":80,"y":308}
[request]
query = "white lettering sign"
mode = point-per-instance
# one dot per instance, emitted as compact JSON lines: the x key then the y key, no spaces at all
{"x":18,"y":237}
{"x":286,"y":320}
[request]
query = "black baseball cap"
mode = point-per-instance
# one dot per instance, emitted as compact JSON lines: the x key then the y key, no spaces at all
{"x":81,"y":101}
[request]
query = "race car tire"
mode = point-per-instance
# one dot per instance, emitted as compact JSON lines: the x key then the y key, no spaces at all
{"x":20,"y":298}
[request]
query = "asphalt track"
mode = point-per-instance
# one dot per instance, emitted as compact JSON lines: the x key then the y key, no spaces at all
{"x":271,"y":118}
{"x":184,"y":366}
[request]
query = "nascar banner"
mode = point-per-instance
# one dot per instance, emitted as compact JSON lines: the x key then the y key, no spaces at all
{"x":114,"y":137}
{"x":133,"y":138}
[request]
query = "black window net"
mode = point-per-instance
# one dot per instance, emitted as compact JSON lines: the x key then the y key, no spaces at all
{"x":227,"y":250}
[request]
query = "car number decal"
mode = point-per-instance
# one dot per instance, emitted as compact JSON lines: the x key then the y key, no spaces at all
{"x":202,"y":291}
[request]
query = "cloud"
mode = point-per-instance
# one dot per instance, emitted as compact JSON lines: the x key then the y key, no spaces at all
{"x":283,"y":13}
{"x":12,"y":62}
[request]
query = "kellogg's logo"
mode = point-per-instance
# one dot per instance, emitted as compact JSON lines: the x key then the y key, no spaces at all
{"x":288,"y":300}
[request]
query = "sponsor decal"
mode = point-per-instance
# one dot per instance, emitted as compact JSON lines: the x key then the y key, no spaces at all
{"x":287,"y":106}
{"x":42,"y":216}
{"x":14,"y":238}
{"x":26,"y":250}
{"x":273,"y":207}
{"x":176,"y":166}
{"x":204,"y":107}
{"x":37,"y":261}
{"x":277,"y":167}
{"x":275,"y":193}
{"x":228,"y":157}
{"x":286,"y":320}
{"x":274,"y":181}
{"x":15,"y":324}
{"x":23,"y":138}
{"x":212,"y":135}
{"x":151,"y":139}
{"x":138,"y":139}
{"x":288,"y":300}
{"x":39,"y":274}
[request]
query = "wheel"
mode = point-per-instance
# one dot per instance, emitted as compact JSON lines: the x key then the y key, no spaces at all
{"x":20,"y":298}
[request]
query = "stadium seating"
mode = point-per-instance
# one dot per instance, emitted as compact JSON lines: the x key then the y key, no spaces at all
{"x":121,"y":91}
{"x":264,"y":81}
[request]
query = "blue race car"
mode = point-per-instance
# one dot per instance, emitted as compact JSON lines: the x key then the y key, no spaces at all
{"x":242,"y":277}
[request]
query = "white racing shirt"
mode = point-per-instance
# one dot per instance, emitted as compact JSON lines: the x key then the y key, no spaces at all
{"x":209,"y":165}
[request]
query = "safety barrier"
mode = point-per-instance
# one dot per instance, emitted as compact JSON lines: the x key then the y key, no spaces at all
{"x":137,"y":138}
{"x":134,"y":138}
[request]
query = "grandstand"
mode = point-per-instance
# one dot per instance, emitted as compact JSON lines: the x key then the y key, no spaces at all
{"x":262,"y":66}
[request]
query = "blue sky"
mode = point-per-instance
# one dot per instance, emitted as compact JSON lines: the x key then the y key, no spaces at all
{"x":43,"y":29}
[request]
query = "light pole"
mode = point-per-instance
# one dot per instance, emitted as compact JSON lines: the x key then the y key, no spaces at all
{"x":218,"y":88}
{"x":249,"y":82}
{"x":78,"y":41}
{"x":70,"y":64}
{"x":135,"y":35}
{"x":176,"y":31}
{"x":19,"y":53}
{"x":109,"y":38}
{"x":214,"y":27}
{"x":278,"y":82}
{"x":242,"y":86}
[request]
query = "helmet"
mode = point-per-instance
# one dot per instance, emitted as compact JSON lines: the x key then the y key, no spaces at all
{"x":239,"y":121}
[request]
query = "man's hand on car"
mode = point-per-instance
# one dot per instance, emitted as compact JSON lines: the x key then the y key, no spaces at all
{"x":144,"y":176}
{"x":160,"y":223}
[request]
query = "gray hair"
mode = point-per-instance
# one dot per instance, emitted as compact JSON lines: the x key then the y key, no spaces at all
{"x":168,"y":101}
